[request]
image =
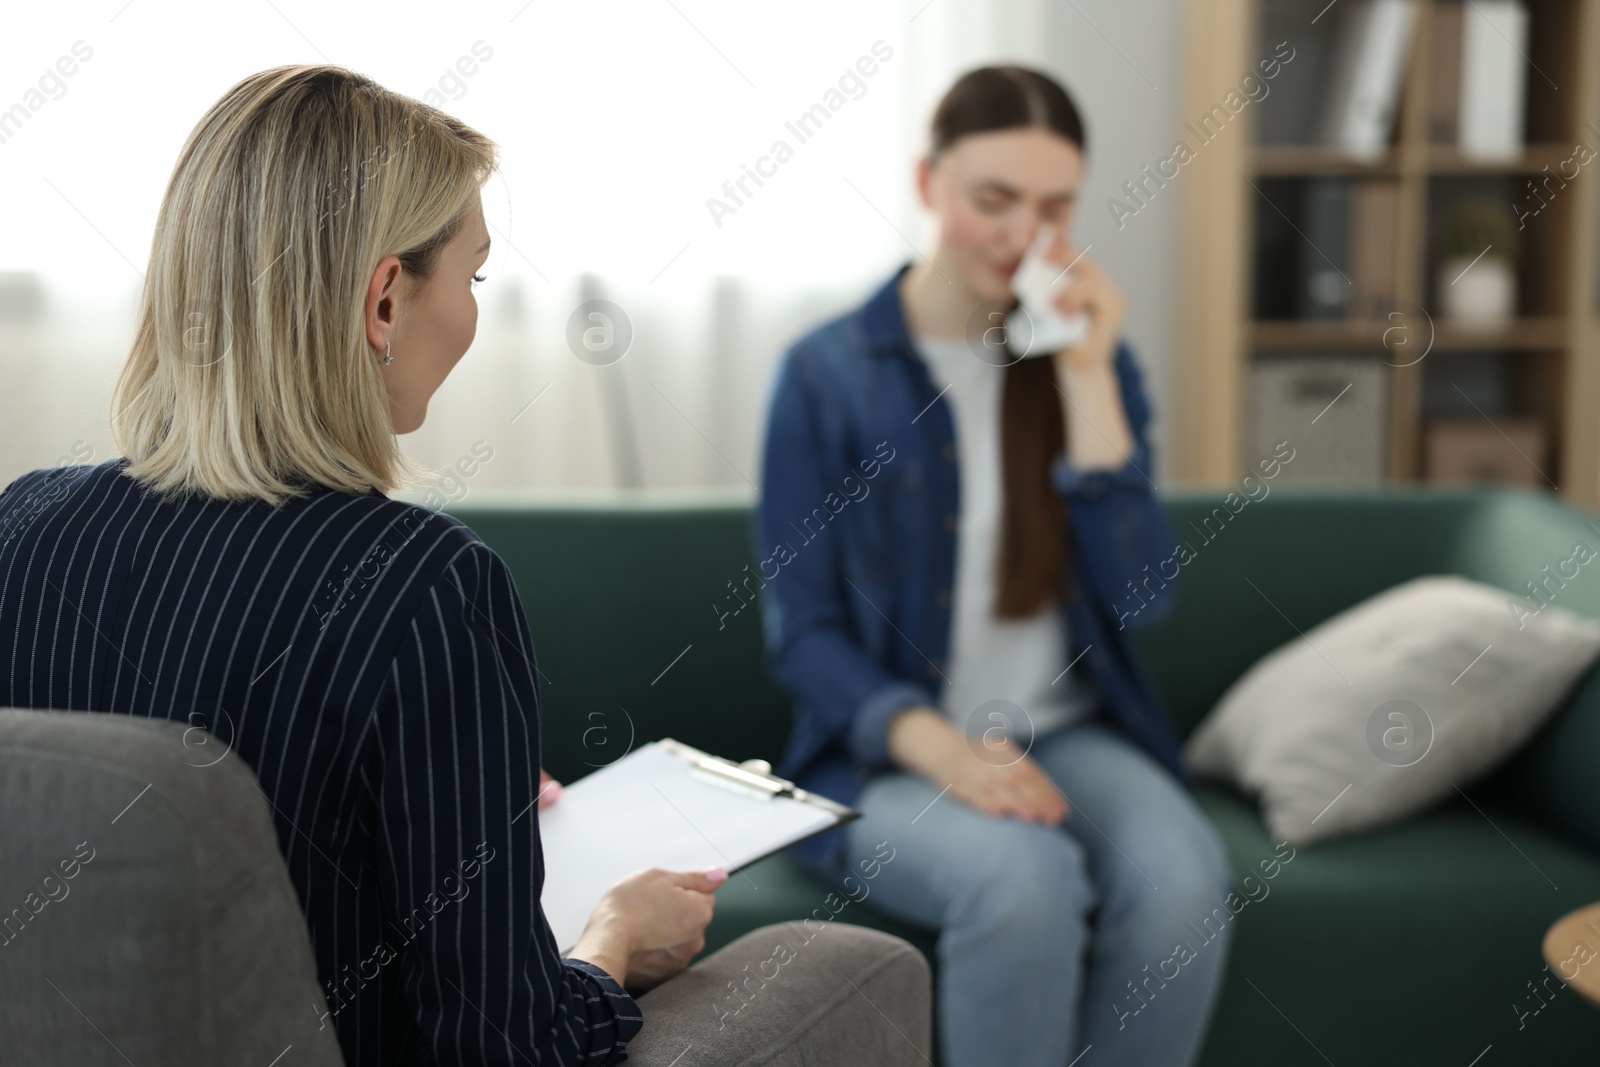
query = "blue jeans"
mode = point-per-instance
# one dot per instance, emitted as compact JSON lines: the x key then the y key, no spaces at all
{"x":1058,"y":942}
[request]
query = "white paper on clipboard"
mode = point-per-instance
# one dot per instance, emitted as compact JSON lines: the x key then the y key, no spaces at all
{"x":665,"y":805}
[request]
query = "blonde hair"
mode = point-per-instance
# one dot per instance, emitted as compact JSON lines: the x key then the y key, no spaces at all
{"x":250,"y":375}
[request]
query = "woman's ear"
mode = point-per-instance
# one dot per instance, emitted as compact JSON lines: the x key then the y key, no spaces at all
{"x":925,"y":183}
{"x":383,"y":291}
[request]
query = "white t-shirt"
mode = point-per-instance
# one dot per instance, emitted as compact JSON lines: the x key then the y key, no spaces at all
{"x":1016,"y":660}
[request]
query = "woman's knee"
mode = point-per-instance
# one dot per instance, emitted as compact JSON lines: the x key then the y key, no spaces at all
{"x":1026,"y":878}
{"x":1183,"y":867}
{"x":1210,"y":869}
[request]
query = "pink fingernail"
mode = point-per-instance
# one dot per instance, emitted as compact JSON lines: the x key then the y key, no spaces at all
{"x":716,"y":875}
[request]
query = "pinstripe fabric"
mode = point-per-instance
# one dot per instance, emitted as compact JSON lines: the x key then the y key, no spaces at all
{"x":371,"y":661}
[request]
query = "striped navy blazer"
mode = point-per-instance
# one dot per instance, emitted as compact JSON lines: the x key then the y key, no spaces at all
{"x":370,"y":660}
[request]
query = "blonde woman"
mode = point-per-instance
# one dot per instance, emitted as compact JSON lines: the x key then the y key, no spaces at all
{"x":241,"y":569}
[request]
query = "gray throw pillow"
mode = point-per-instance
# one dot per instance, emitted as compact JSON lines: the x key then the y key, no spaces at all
{"x":1387,"y":707}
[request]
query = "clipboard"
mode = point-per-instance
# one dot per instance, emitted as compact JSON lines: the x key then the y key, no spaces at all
{"x":667,"y":804}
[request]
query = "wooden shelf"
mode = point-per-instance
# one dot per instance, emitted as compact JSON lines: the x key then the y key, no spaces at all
{"x":1309,"y":161}
{"x":1447,"y":159}
{"x":1306,"y":161}
{"x":1524,"y":334}
{"x":1552,"y":365}
{"x":1300,"y":334}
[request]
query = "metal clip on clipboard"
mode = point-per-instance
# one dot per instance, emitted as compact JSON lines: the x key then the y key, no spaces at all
{"x":753,"y":777}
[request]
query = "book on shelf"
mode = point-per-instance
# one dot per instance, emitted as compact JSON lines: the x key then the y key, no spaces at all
{"x":1364,"y":79}
{"x":1277,"y":246}
{"x":1444,"y":70}
{"x":1323,"y":285}
{"x":1325,"y":248}
{"x":1374,"y":217}
{"x":1494,"y":41}
{"x":1290,"y":113}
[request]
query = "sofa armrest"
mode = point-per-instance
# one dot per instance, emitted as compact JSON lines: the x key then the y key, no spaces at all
{"x":1552,"y":779}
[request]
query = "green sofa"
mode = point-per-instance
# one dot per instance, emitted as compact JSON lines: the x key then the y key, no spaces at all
{"x":1412,"y":946}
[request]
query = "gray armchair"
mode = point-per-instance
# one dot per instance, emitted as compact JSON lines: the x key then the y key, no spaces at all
{"x":146,"y":917}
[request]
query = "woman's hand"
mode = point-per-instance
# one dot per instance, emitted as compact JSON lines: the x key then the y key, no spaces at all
{"x":1098,"y":436}
{"x":650,"y":925}
{"x":646,"y":970}
{"x":1089,"y":290}
{"x":1002,"y":780}
{"x":1013,"y":784}
{"x":549,"y":789}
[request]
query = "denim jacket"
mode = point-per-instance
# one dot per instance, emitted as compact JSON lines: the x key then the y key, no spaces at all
{"x":855,"y":534}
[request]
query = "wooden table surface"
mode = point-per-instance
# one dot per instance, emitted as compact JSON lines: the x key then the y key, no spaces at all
{"x":1572,"y":949}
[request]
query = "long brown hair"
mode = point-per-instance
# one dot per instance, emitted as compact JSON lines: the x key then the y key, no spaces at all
{"x":1031,"y":562}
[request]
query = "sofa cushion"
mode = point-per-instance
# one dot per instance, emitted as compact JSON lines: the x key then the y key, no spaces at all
{"x":1392,"y":704}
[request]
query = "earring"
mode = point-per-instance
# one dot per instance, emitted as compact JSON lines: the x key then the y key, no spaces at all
{"x":387,"y":358}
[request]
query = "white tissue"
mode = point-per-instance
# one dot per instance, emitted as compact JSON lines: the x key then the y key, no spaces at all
{"x":1035,"y":327}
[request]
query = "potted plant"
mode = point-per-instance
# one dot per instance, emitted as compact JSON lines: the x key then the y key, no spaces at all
{"x":1477,"y":280}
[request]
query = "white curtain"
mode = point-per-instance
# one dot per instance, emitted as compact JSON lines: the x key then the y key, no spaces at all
{"x":618,"y":121}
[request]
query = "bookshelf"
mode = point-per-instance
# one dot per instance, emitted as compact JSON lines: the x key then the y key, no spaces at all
{"x":1543,"y":362}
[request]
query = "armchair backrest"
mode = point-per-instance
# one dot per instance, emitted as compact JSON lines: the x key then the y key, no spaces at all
{"x":144,"y":904}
